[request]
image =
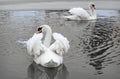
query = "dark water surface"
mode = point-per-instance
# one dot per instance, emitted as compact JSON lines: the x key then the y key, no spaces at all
{"x":94,"y":45}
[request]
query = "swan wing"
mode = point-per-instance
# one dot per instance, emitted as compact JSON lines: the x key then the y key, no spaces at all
{"x":61,"y":44}
{"x":34,"y":45}
{"x":79,"y":12}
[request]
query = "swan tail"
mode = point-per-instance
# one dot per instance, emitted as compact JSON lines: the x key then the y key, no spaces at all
{"x":72,"y":17}
{"x":66,"y":17}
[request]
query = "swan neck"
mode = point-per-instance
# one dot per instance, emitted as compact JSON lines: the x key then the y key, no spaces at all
{"x":93,"y":12}
{"x":47,"y":39}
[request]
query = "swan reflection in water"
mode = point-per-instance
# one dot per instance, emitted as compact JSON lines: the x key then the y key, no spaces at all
{"x":39,"y":72}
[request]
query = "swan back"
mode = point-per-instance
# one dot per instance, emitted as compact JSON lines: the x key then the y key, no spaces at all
{"x":83,"y":14}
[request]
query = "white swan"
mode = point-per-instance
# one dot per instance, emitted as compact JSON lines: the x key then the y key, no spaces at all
{"x":81,"y":14}
{"x":47,"y":54}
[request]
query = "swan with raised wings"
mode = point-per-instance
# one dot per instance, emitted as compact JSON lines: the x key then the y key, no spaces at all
{"x":45,"y":53}
{"x":81,"y":14}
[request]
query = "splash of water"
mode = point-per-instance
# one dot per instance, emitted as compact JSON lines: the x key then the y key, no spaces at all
{"x":22,"y":42}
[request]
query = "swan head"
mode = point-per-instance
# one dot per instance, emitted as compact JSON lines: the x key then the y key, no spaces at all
{"x":45,"y":28}
{"x":39,"y":30}
{"x":92,"y":6}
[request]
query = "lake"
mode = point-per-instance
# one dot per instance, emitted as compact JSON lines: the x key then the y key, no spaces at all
{"x":94,"y":45}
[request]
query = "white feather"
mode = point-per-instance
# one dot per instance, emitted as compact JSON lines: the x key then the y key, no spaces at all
{"x":79,"y":12}
{"x":34,"y":44}
{"x":61,"y":44}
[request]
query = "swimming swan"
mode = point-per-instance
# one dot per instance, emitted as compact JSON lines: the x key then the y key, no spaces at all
{"x":45,"y":53}
{"x":81,"y":14}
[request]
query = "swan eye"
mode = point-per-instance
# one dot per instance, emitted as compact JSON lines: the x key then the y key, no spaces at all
{"x":93,"y":5}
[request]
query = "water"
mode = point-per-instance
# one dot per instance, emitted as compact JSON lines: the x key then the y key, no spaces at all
{"x":94,"y":45}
